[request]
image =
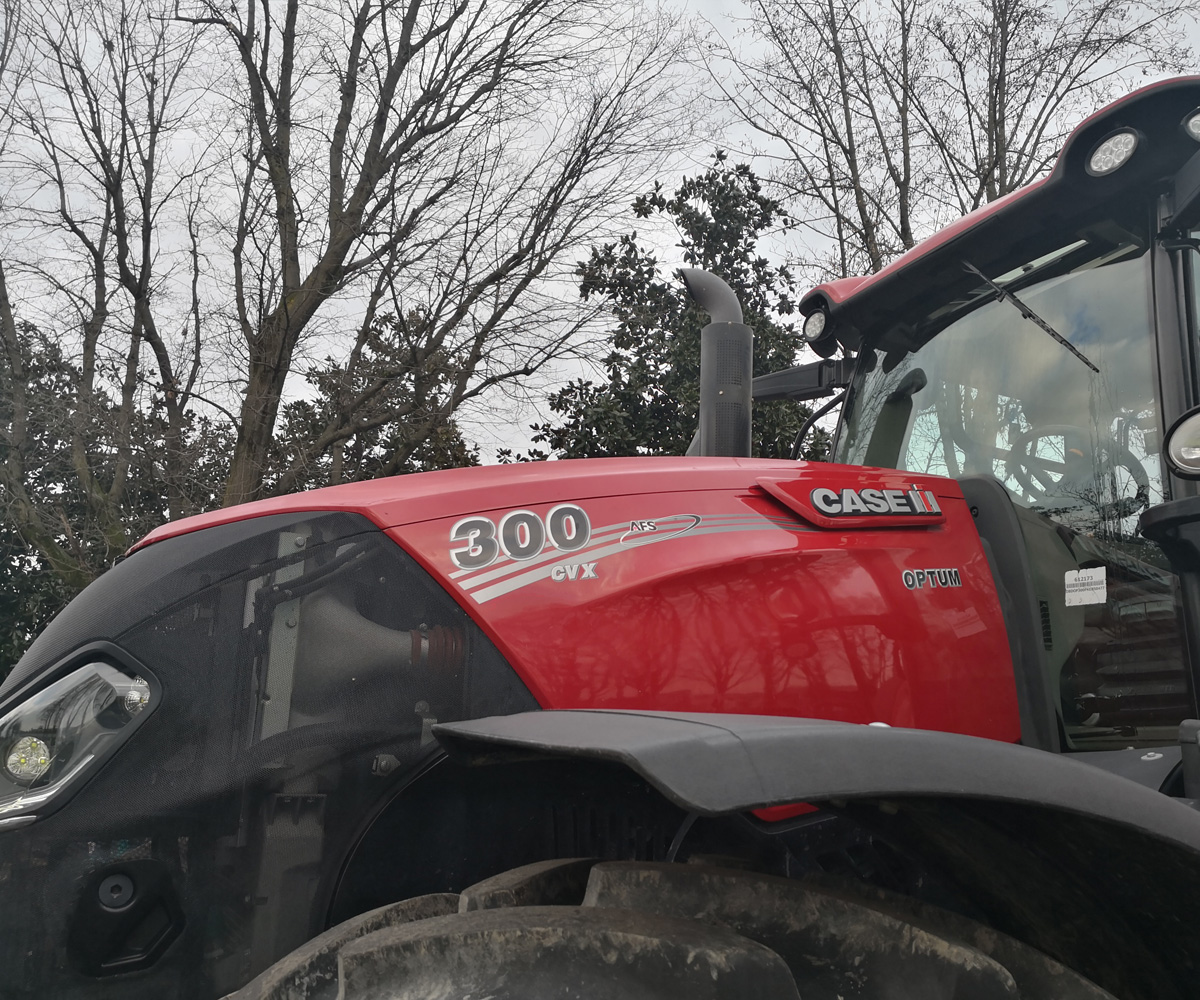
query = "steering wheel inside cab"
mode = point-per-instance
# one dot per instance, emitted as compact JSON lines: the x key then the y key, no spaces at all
{"x":1059,"y":468}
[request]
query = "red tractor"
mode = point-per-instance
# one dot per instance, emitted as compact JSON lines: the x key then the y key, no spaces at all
{"x":236,"y":738}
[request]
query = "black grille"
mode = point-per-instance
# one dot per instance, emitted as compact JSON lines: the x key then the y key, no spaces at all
{"x":1047,"y":632}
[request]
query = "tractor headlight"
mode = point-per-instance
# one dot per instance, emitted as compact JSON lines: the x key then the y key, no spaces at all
{"x":28,"y":759}
{"x":52,"y":738}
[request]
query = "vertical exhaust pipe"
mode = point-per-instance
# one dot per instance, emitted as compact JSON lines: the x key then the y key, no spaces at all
{"x":726,"y":368}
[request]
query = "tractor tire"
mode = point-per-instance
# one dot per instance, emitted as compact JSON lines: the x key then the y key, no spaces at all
{"x":581,"y":928}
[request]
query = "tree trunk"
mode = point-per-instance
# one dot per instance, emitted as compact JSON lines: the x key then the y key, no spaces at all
{"x":270,"y":362}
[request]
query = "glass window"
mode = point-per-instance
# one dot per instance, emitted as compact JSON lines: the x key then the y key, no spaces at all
{"x":993,"y":393}
{"x":977,"y":386}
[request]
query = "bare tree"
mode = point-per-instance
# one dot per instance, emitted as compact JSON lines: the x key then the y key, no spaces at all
{"x":403,"y":150}
{"x":90,"y":157}
{"x":1015,"y":75}
{"x":890,"y":116}
{"x":477,"y":306}
{"x":838,"y":115}
{"x":200,"y":199}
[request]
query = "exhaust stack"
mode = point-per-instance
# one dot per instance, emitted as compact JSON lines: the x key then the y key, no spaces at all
{"x":726,"y":368}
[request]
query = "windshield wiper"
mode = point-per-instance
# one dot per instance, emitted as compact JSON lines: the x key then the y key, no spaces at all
{"x":1003,"y":295}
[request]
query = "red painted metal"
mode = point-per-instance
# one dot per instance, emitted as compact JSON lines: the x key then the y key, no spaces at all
{"x":776,"y":814}
{"x":454,"y":492}
{"x":727,"y":601}
{"x":842,"y":289}
{"x":701,"y":590}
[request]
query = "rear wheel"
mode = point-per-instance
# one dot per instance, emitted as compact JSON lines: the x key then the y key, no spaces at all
{"x":583,"y":928}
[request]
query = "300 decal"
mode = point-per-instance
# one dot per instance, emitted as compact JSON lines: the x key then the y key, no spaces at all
{"x":521,"y":534}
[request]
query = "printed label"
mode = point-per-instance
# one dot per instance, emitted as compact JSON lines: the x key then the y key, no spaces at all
{"x":658,"y":529}
{"x":573,"y":571}
{"x":1086,"y":586}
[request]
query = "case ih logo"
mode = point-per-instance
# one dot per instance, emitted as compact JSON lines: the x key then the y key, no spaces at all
{"x":870,"y":502}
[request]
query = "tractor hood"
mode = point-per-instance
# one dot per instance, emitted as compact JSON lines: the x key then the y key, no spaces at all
{"x":687,"y":584}
{"x":679,"y":584}
{"x":735,"y":585}
{"x":399,"y":500}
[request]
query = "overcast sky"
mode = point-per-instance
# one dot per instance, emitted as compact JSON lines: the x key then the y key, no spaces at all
{"x":511,"y":430}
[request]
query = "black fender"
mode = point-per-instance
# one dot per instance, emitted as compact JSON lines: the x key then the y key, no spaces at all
{"x":1092,"y":868}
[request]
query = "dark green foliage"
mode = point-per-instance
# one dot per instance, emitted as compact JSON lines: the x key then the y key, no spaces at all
{"x":407,"y":434}
{"x":650,"y":401}
{"x":380,"y":451}
{"x":31,"y":592}
{"x":32,"y":588}
{"x":383,"y":413}
{"x":30,"y":595}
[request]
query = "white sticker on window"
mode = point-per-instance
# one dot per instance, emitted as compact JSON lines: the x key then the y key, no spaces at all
{"x":1086,"y":586}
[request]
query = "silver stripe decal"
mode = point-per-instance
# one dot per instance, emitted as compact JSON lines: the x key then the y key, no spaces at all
{"x":512,"y":565}
{"x":506,"y":566}
{"x":543,"y":573}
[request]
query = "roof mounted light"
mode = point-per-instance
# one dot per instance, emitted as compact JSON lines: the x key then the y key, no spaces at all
{"x":1191,"y":124}
{"x":1112,"y":152}
{"x":814,"y":326}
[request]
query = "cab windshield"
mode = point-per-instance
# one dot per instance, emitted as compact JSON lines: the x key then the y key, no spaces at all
{"x":978,"y":386}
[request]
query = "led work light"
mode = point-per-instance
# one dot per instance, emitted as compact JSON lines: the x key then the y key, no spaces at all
{"x":1112,"y":153}
{"x":49,"y":740}
{"x":814,"y":325}
{"x":1191,"y":124}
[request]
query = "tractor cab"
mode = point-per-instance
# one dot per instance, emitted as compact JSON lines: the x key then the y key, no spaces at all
{"x":1036,"y":351}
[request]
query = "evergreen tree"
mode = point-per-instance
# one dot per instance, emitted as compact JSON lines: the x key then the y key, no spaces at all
{"x":402,"y":399}
{"x":68,"y":519}
{"x":650,"y":401}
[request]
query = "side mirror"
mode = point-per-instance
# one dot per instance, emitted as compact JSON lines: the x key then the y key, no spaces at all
{"x":1181,"y":447}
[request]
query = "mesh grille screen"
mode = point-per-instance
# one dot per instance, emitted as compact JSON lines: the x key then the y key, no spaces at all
{"x":302,"y":667}
{"x":154,"y":577}
{"x":731,"y":363}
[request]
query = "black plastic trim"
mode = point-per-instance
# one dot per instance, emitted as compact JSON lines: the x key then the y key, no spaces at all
{"x":811,"y":381}
{"x":1151,"y":767}
{"x":1004,"y":544}
{"x":714,"y":764}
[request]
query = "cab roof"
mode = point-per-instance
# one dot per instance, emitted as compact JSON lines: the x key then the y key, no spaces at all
{"x":1023,"y":224}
